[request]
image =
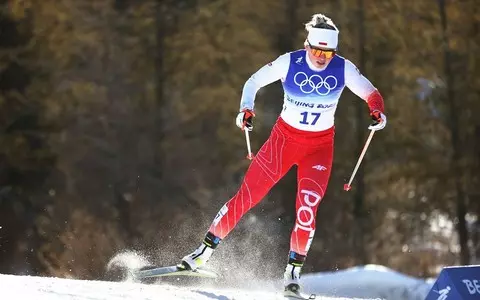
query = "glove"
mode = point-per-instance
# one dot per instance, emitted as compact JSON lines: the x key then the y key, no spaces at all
{"x":244,"y":119}
{"x":379,"y":120}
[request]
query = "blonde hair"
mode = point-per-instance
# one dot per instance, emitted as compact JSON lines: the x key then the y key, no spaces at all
{"x":320,"y":21}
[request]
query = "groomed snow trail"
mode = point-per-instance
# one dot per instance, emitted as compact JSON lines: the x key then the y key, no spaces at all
{"x":47,"y":288}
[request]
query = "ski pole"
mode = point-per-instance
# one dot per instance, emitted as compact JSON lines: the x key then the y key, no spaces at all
{"x":347,"y":186}
{"x":247,"y":138}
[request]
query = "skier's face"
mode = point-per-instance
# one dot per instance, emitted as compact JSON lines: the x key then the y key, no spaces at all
{"x":318,"y":56}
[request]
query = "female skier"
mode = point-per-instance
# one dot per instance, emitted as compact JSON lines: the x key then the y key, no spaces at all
{"x":313,"y":79}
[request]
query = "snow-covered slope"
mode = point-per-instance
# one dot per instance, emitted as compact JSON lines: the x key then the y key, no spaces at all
{"x":368,"y":282}
{"x":45,"y":288}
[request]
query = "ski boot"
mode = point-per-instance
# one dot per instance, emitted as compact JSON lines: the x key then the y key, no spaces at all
{"x":202,"y":254}
{"x":292,"y":277}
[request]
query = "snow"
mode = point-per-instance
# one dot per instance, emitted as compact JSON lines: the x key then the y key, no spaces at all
{"x":371,"y":281}
{"x":356,"y":283}
{"x":364,"y":282}
{"x":47,"y":288}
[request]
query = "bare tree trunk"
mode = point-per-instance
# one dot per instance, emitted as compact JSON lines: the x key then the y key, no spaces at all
{"x":288,"y":40}
{"x":160,"y":36}
{"x":461,"y":209}
{"x":162,"y":13}
{"x":359,"y":197}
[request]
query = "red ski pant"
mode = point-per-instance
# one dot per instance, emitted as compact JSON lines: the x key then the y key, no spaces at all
{"x":312,"y":152}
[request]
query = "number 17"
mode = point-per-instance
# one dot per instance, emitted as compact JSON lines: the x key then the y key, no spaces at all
{"x":305,"y":116}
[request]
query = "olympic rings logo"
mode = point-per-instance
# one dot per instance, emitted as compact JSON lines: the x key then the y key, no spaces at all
{"x":315,"y":83}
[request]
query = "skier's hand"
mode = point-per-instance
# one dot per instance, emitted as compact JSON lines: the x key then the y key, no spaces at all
{"x":379,"y":120}
{"x":245,"y":119}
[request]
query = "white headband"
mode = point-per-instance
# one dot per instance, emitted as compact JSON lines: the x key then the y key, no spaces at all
{"x":321,"y":37}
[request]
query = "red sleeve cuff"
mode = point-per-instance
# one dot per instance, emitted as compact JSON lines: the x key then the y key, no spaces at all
{"x":375,"y":102}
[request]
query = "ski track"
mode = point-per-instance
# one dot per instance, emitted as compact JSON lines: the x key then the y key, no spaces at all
{"x":48,"y":288}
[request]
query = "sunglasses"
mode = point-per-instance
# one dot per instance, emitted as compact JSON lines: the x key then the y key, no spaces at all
{"x":317,"y":52}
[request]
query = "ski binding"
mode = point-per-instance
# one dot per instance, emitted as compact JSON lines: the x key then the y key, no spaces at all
{"x":178,"y":270}
{"x":292,"y":291}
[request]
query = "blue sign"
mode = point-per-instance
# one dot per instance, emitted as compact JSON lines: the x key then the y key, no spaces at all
{"x":457,"y":283}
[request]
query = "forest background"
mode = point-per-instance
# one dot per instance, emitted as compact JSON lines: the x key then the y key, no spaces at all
{"x":117,"y":133}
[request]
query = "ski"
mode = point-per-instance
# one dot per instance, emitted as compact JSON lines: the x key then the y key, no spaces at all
{"x":292,"y":291}
{"x":298,"y":295}
{"x":178,"y":270}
